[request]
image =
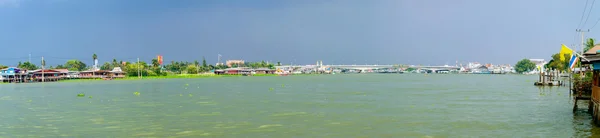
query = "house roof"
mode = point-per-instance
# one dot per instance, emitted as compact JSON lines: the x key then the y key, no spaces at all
{"x":45,"y":71}
{"x":593,"y":50}
{"x":117,"y":70}
{"x":11,"y":68}
{"x":263,"y":69}
{"x":62,"y":70}
{"x":95,"y":71}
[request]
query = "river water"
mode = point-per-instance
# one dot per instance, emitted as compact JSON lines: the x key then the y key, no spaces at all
{"x":344,"y":106}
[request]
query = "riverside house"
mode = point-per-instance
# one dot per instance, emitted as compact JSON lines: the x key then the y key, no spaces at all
{"x":264,"y":71}
{"x":46,"y":75}
{"x":93,"y":74}
{"x":14,"y":74}
{"x":592,"y":57}
{"x":117,"y":73}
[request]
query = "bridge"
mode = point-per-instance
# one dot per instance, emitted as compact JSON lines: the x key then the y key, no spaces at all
{"x":372,"y":67}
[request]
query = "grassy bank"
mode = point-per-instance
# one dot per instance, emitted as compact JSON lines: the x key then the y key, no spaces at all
{"x":170,"y":76}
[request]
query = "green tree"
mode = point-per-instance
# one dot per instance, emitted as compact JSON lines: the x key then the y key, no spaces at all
{"x":75,"y":65}
{"x":556,"y":64}
{"x":106,"y":66}
{"x":60,"y":67}
{"x":155,"y":63}
{"x":27,"y":65}
{"x":2,"y":66}
{"x":589,"y":44}
{"x":94,"y":57}
{"x":43,"y":63}
{"x":278,"y":63}
{"x":524,"y":65}
{"x":204,"y":63}
{"x":191,"y":69}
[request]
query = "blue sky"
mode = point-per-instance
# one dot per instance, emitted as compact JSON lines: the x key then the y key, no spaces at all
{"x":432,"y":32}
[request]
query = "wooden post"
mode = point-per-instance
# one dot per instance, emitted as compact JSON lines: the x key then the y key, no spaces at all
{"x":543,"y":78}
{"x":540,"y":80}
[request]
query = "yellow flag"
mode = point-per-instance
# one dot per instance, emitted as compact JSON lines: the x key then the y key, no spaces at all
{"x":564,"y":50}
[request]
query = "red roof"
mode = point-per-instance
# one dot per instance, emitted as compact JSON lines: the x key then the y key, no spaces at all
{"x":45,"y":71}
{"x":62,"y":70}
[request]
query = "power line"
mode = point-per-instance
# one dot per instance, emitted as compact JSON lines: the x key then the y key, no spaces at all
{"x":589,"y":13}
{"x":582,"y":14}
{"x":595,"y":23}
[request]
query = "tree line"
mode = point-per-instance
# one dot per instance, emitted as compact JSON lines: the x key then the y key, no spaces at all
{"x":145,"y":69}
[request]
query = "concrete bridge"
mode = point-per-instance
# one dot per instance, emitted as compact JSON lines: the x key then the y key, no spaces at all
{"x":373,"y":67}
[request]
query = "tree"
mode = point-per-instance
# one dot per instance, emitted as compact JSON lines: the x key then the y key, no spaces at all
{"x":155,"y":63}
{"x":589,"y":44}
{"x":106,"y":66}
{"x":94,"y":57}
{"x":2,"y":66}
{"x":192,"y":69}
{"x":204,"y":63}
{"x":524,"y":66}
{"x":27,"y":65}
{"x":75,"y":65}
{"x":60,"y":67}
{"x":556,"y":64}
{"x":278,"y":63}
{"x":43,"y":63}
{"x":196,"y":63}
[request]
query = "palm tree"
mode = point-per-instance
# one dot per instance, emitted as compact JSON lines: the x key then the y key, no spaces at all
{"x":589,"y":44}
{"x":94,"y":57}
{"x":43,"y":63}
{"x":155,"y":63}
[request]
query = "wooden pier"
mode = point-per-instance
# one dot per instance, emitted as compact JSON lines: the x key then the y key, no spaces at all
{"x":549,"y":78}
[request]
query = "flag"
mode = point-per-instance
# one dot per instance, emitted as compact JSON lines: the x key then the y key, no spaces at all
{"x":573,"y":61}
{"x":565,"y":50}
{"x":160,"y":59}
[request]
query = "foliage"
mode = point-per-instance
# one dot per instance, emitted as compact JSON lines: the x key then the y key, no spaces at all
{"x":27,"y":65}
{"x":583,"y":85}
{"x":261,"y":64}
{"x":191,"y":69}
{"x":589,"y":44}
{"x":556,"y":64}
{"x":204,"y":65}
{"x":43,"y":63}
{"x":75,"y":65}
{"x":524,"y":65}
{"x":410,"y":69}
{"x":106,"y":66}
{"x":2,"y":66}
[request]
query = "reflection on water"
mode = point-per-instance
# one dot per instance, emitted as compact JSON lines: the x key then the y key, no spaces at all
{"x":357,"y":105}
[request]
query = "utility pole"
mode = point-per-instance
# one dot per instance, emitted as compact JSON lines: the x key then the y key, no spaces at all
{"x":582,"y":38}
{"x":42,"y":69}
{"x":138,"y":68}
{"x":219,"y":59}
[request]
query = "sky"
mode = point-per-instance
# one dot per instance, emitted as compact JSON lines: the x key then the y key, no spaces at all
{"x":427,"y":32}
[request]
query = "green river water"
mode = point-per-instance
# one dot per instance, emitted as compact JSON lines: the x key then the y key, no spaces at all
{"x":341,"y":106}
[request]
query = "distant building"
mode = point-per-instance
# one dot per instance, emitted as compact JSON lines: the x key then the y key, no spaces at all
{"x":539,"y":63}
{"x":232,"y":62}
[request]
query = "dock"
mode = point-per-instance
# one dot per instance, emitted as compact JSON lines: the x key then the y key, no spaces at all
{"x":549,"y":78}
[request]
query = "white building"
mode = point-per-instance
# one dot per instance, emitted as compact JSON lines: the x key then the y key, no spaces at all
{"x":539,"y":63}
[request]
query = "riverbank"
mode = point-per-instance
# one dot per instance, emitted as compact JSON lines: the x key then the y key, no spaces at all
{"x":170,"y":76}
